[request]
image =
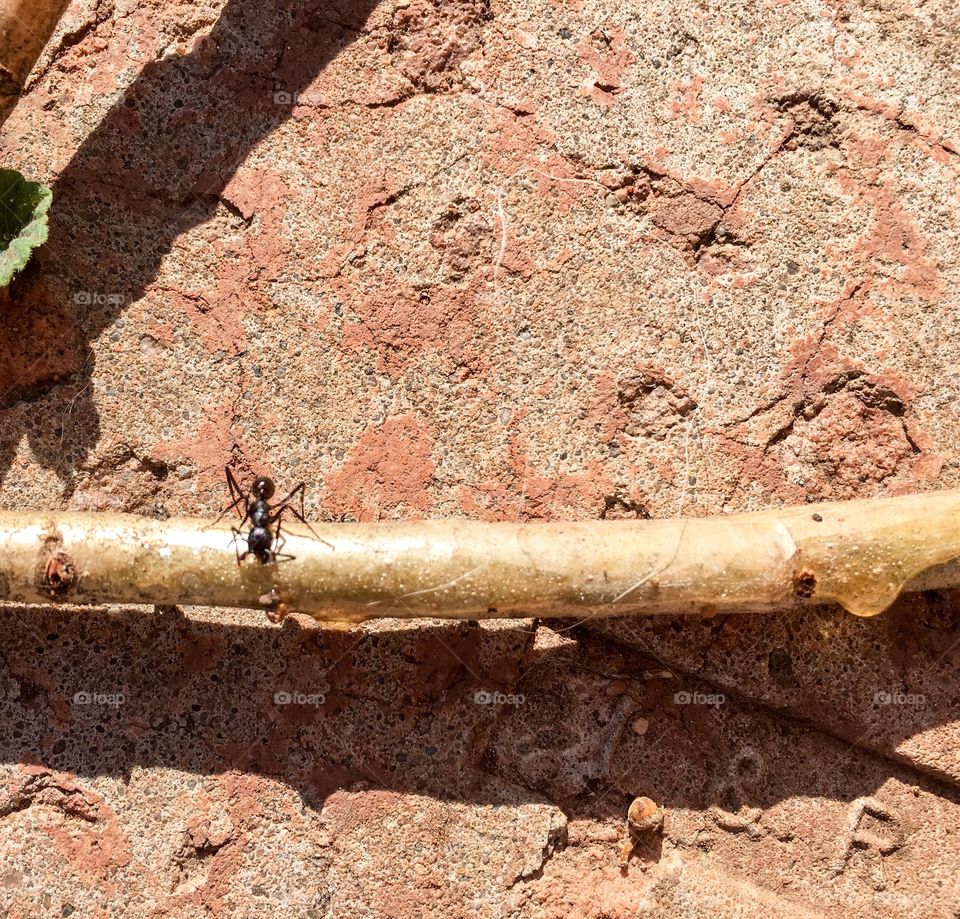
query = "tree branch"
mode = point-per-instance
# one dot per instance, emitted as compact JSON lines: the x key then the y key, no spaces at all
{"x":860,"y":554}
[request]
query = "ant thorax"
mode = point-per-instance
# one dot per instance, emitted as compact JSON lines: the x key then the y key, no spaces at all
{"x":260,"y":513}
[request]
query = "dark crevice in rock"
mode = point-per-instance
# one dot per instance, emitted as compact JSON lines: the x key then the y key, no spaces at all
{"x":814,"y":120}
{"x":619,"y":507}
{"x":873,"y":395}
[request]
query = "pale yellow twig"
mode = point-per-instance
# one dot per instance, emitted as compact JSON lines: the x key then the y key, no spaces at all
{"x":859,"y":554}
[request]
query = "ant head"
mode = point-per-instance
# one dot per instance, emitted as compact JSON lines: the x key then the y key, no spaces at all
{"x":263,"y":487}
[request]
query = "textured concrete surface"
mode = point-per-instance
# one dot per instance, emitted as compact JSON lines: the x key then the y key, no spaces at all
{"x":504,"y":259}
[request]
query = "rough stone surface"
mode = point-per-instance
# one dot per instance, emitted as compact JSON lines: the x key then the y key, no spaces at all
{"x":511,"y":260}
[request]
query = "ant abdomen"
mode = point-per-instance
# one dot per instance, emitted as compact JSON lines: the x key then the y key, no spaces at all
{"x":260,"y":542}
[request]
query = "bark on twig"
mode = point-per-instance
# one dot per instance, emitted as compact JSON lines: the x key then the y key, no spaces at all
{"x":860,"y":554}
{"x":25,"y":27}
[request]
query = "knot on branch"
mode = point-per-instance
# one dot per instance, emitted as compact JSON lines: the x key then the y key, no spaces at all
{"x":56,"y":571}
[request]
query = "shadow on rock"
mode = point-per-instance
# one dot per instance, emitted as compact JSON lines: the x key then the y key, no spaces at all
{"x":458,"y":712}
{"x":153,"y":169}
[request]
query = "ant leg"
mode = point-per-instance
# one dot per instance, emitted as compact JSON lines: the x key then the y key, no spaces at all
{"x":278,"y":516}
{"x":285,"y":505}
{"x":301,"y":490}
{"x":238,"y":533}
{"x":222,"y":514}
{"x":235,"y":490}
{"x":237,"y":494}
{"x":279,"y":543}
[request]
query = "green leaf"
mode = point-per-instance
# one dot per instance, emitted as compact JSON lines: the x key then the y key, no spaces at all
{"x":23,"y":221}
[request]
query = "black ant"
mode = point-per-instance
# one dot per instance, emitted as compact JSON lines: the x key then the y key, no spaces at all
{"x":263,"y":542}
